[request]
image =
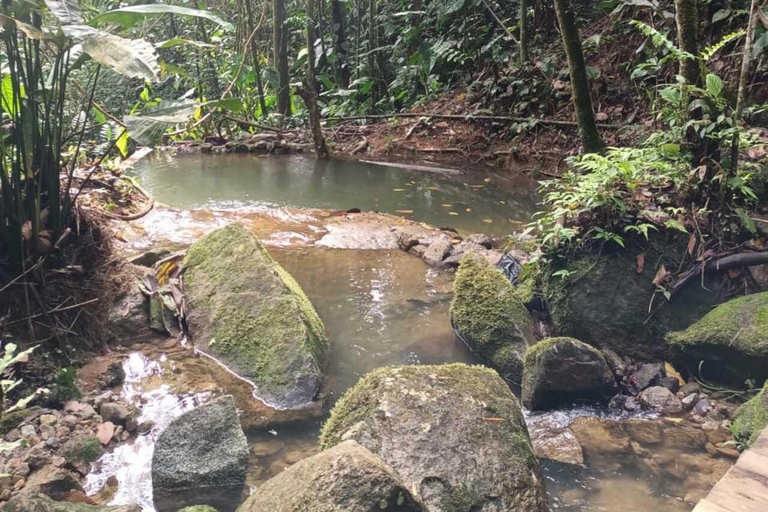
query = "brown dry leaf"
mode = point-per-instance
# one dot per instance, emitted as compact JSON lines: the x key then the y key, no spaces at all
{"x":601,"y":116}
{"x":661,"y":275}
{"x":75,"y":496}
{"x":701,"y":171}
{"x":640,"y":262}
{"x":691,"y":244}
{"x":734,"y":273}
{"x":559,"y":84}
{"x":403,"y":211}
{"x":105,"y":432}
{"x":495,"y":420}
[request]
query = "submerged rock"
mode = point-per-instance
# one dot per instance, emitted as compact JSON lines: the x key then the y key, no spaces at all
{"x":489,"y":317}
{"x":344,"y":478}
{"x":731,"y":340}
{"x":454,"y":434}
{"x":661,"y":400}
{"x":751,"y":418}
{"x":42,"y":503}
{"x":558,"y":370}
{"x":245,"y":310}
{"x":604,"y":302}
{"x":201,"y":459}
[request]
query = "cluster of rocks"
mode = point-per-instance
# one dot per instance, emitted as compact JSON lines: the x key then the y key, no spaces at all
{"x":404,"y":439}
{"x":50,"y":450}
{"x":445,"y":247}
{"x":259,"y":143}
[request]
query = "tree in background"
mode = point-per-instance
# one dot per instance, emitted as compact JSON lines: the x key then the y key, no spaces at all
{"x":310,"y":90}
{"x":582,"y":101}
{"x":280,"y":41}
{"x":687,"y":18}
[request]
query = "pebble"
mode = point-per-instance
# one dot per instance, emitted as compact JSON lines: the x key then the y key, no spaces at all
{"x":28,"y":431}
{"x":48,"y":419}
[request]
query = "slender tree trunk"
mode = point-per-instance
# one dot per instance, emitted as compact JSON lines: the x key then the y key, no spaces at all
{"x":310,"y":93}
{"x":340,"y":42}
{"x":281,"y":58}
{"x":741,"y":98}
{"x":582,"y":101}
{"x":359,"y":38}
{"x":416,"y":19}
{"x":523,"y":32}
{"x":255,"y":59}
{"x":687,"y":17}
{"x":210,"y":65}
{"x":371,"y":47}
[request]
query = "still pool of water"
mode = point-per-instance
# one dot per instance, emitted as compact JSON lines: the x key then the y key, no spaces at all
{"x":475,"y":202}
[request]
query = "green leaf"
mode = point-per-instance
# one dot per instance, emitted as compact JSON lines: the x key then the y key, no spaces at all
{"x":9,"y":103}
{"x":721,"y":15}
{"x":122,"y":144}
{"x":231,"y":104}
{"x":179,"y":41}
{"x":66,"y":11}
{"x":129,"y":16}
{"x":714,"y":85}
{"x":148,"y":127}
{"x":134,"y":58}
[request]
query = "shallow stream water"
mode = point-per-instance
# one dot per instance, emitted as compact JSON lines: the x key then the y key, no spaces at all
{"x":380,"y":307}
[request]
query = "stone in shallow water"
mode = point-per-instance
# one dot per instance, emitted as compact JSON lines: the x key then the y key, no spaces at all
{"x":661,"y":400}
{"x":201,"y":459}
{"x":245,"y":310}
{"x":42,"y":503}
{"x":454,"y":434}
{"x":344,"y":478}
{"x":559,"y":370}
{"x":557,"y":444}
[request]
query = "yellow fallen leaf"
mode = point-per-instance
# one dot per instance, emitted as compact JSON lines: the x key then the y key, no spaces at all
{"x":468,"y":209}
{"x":452,"y":213}
{"x":502,"y":202}
{"x":433,"y":188}
{"x":446,"y":205}
{"x":477,"y":186}
{"x":403,"y":211}
{"x":455,"y":241}
{"x":487,"y":180}
{"x":398,"y":190}
{"x":495,"y":420}
{"x":488,"y":221}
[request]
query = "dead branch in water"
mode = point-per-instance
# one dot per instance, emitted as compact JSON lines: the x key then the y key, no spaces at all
{"x":749,"y":259}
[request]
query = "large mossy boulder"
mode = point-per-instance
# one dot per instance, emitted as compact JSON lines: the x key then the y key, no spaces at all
{"x":245,"y":310}
{"x":560,"y":370}
{"x":604,"y":300}
{"x":344,"y":478}
{"x":490,"y":318}
{"x":751,"y":418}
{"x":201,"y":459}
{"x":454,"y":434}
{"x":42,"y":503}
{"x":731,"y":340}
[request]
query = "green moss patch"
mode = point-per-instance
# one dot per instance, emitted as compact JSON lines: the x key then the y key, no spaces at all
{"x":751,"y":418}
{"x":488,"y":314}
{"x":12,"y":420}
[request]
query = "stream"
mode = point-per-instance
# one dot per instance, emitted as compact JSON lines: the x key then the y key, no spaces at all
{"x":380,"y":307}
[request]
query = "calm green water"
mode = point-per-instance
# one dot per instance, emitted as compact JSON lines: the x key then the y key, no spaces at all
{"x":472,"y":202}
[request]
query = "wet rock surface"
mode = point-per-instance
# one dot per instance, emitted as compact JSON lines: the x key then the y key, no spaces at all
{"x":344,"y":478}
{"x":454,"y":434}
{"x":42,"y":503}
{"x":559,"y":370}
{"x":201,"y":459}
{"x":249,"y":313}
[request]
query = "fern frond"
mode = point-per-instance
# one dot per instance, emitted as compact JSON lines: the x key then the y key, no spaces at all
{"x":709,"y":51}
{"x":661,"y":40}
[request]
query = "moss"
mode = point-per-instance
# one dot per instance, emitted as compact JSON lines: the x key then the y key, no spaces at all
{"x":740,"y":324}
{"x":359,"y":401}
{"x":751,"y":418}
{"x":526,"y":288}
{"x":488,"y":314}
{"x":85,"y":448}
{"x":262,"y":324}
{"x":462,"y":499}
{"x":12,"y":420}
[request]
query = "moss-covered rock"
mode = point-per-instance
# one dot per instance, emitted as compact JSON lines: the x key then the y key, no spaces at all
{"x":11,"y":420}
{"x":82,"y":449}
{"x":248,"y":312}
{"x":488,"y":315}
{"x":559,"y":370}
{"x":751,"y":418}
{"x":604,"y":300}
{"x":454,"y":434}
{"x":731,"y":340}
{"x":344,"y":478}
{"x":41,"y":503}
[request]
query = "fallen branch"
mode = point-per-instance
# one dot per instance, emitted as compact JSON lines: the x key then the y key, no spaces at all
{"x":744,"y":259}
{"x":550,"y":122}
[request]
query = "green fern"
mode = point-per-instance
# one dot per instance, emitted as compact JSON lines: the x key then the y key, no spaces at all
{"x":709,"y":51}
{"x":661,"y":40}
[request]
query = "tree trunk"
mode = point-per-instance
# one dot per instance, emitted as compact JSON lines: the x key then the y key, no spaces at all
{"x":582,"y":102}
{"x":310,"y":94}
{"x":688,"y":38}
{"x":415,"y":42}
{"x":371,"y":47}
{"x":523,"y":32}
{"x":281,"y":58}
{"x":340,"y":42}
{"x":741,"y":98}
{"x":255,"y":59}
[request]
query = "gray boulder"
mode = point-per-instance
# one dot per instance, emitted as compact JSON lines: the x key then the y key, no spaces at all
{"x":454,"y":434}
{"x":559,"y":370}
{"x":248,"y":312}
{"x":201,"y":459}
{"x":42,"y":503}
{"x":345,"y":478}
{"x":661,"y":400}
{"x":489,"y":317}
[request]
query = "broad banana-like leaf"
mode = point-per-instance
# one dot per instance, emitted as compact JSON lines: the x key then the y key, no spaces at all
{"x":147,"y":128}
{"x":129,"y":16}
{"x":30,"y":31}
{"x":134,"y":58}
{"x":66,"y":11}
{"x":179,"y":41}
